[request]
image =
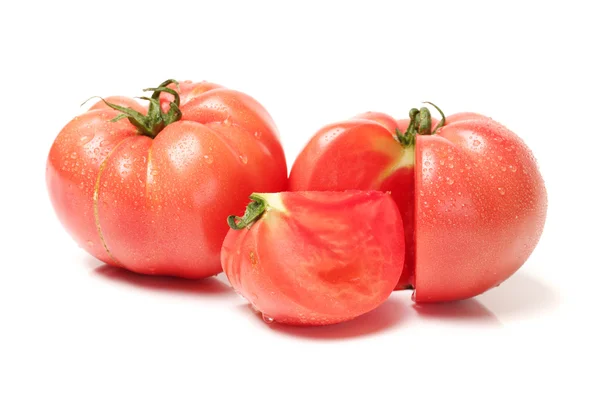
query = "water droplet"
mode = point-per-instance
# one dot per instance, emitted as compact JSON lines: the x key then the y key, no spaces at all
{"x":476,"y":143}
{"x":503,"y":168}
{"x":425,"y":204}
{"x":257,"y":134}
{"x":73,"y":155}
{"x":267,"y":319}
{"x":502,"y":191}
{"x":154,"y":172}
{"x":450,"y":165}
{"x":104,"y":143}
{"x":243,"y":158}
{"x":451,"y":157}
{"x":421,"y":193}
{"x":512,"y":168}
{"x":449,"y":181}
{"x":81,"y":185}
{"x":208,"y":159}
{"x":427,"y":163}
{"x":499,"y":158}
{"x":227,"y":122}
{"x":442,"y":162}
{"x":90,"y":244}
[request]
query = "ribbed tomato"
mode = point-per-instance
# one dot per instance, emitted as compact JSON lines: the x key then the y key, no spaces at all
{"x":471,"y":195}
{"x":151,"y":193}
{"x":315,"y":258}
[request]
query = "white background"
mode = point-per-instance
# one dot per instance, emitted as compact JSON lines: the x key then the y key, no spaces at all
{"x":73,"y":330}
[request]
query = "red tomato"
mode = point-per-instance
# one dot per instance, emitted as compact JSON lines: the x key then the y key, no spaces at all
{"x":471,"y":196}
{"x":315,"y":258}
{"x":153,"y":197}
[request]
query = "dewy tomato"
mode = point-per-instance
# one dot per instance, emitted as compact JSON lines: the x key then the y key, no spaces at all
{"x":151,"y":191}
{"x":472,"y":198}
{"x":315,"y":258}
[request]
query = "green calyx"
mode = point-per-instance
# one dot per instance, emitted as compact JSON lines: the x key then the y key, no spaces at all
{"x":155,"y":120}
{"x":420,"y":123}
{"x":254,"y":210}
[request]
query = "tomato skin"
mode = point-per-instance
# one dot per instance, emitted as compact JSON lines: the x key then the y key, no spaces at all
{"x":480,"y":208}
{"x":159,"y":206}
{"x":362,"y":153}
{"x":317,"y":258}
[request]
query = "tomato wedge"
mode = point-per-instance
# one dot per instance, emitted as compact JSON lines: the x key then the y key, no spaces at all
{"x":315,"y":258}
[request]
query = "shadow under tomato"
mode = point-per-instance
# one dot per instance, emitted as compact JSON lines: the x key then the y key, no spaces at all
{"x":384,"y":318}
{"x":211,"y":285}
{"x":522,"y":295}
{"x":470,"y":310}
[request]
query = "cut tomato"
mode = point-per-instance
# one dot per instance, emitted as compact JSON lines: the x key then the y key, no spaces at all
{"x":315,"y":258}
{"x":472,"y":199}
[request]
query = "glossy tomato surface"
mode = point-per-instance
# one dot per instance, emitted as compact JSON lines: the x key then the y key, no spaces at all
{"x":159,"y":205}
{"x":316,"y":258}
{"x":480,"y":208}
{"x":471,"y":196}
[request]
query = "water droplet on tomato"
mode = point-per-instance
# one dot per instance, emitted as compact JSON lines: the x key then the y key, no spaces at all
{"x":476,"y":143}
{"x":449,"y":181}
{"x":503,"y":168}
{"x":499,"y":158}
{"x":427,"y":163}
{"x":104,"y":143}
{"x":81,"y":185}
{"x":442,"y":162}
{"x":90,"y":244}
{"x":243,"y":158}
{"x":73,"y":155}
{"x":208,"y":159}
{"x":267,"y":319}
{"x":502,"y":191}
{"x":257,"y":134}
{"x":227,"y":122}
{"x":512,"y":168}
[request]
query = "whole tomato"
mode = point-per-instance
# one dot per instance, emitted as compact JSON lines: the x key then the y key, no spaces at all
{"x":315,"y":258}
{"x":149,"y":188}
{"x":471,"y":196}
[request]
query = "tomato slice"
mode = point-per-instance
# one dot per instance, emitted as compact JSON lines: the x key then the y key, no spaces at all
{"x":316,"y":258}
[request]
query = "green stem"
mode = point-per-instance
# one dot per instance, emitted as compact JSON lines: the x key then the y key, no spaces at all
{"x":155,"y":120}
{"x":253,"y":212}
{"x":420,"y":124}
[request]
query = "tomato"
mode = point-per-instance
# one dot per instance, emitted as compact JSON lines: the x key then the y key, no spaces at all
{"x":315,"y":258}
{"x":471,"y":195}
{"x":151,"y":191}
